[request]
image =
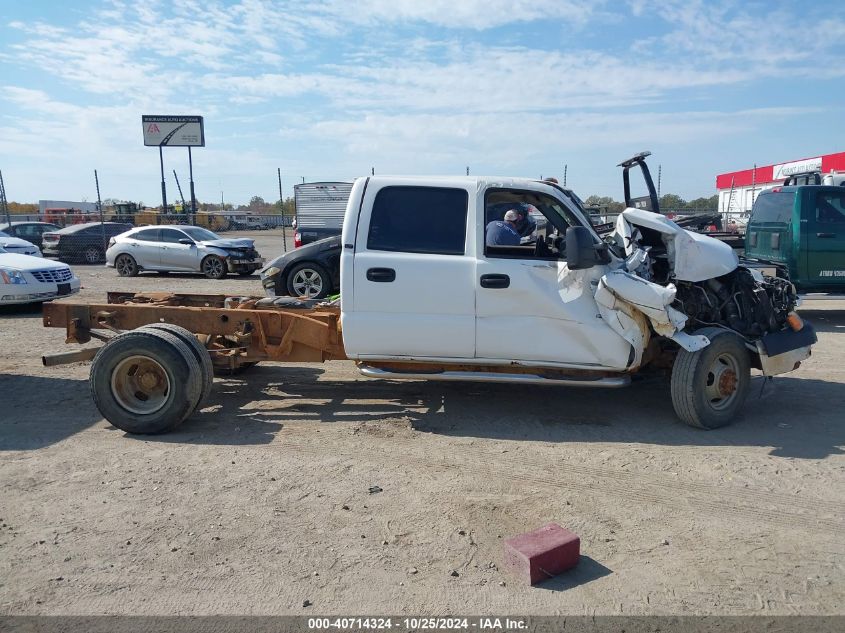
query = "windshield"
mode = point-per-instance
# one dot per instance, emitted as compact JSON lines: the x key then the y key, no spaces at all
{"x":198,"y":234}
{"x":2,"y":234}
{"x":773,"y":207}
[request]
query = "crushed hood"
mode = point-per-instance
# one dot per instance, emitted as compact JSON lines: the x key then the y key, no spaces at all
{"x":241,"y":242}
{"x":693,"y":256}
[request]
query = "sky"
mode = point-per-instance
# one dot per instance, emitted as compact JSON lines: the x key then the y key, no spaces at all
{"x":330,"y":89}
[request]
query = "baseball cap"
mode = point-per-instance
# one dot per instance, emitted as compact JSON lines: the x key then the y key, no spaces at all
{"x":512,"y":216}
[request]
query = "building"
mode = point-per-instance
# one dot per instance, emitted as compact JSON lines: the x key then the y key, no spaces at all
{"x":738,"y":189}
{"x":85,"y":207}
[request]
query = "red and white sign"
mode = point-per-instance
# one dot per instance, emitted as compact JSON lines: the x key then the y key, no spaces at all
{"x":785,"y":170}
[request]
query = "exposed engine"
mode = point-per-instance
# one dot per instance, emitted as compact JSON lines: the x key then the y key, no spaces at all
{"x":744,"y":301}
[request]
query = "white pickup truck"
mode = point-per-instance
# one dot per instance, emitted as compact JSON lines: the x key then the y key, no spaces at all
{"x":424,"y":297}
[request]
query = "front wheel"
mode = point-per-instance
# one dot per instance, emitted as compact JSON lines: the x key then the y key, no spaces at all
{"x":126,"y":266}
{"x":309,"y":281}
{"x":213,"y":267}
{"x":709,"y":386}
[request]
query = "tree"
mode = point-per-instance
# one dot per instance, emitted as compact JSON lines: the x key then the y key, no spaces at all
{"x":603,"y":202}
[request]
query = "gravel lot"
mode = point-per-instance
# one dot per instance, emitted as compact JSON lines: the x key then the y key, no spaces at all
{"x":261,"y":501}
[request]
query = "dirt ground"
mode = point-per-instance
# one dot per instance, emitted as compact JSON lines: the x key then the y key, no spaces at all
{"x":260,"y":501}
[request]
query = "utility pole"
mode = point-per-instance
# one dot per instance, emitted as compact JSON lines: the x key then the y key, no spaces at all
{"x":191,"y":178}
{"x":565,"y":168}
{"x":467,"y":170}
{"x":100,"y":209}
{"x":3,"y":200}
{"x":282,"y":204}
{"x":179,"y":187}
{"x":372,"y":171}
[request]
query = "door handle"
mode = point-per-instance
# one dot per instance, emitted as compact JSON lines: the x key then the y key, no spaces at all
{"x":825,"y":234}
{"x":495,"y":281}
{"x":385,"y":275}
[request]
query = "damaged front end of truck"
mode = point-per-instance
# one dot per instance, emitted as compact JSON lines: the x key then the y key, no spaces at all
{"x":675,"y":285}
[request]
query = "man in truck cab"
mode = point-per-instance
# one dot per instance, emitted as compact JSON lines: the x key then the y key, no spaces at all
{"x":503,"y":232}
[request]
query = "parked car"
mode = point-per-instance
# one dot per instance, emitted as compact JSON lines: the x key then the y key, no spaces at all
{"x":190,"y":249}
{"x":28,"y":279}
{"x":311,"y":271}
{"x":19,"y":246}
{"x":30,"y":231}
{"x":82,"y":242}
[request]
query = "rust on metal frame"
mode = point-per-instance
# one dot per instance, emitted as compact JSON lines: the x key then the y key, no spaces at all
{"x":256,"y":333}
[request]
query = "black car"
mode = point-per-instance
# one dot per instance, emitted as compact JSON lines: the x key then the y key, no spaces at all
{"x":311,"y":271}
{"x":82,"y":242}
{"x":32,"y":232}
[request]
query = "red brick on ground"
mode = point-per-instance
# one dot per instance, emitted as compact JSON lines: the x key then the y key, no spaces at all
{"x":541,"y":554}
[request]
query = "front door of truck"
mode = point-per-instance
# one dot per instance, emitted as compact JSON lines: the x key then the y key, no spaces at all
{"x":825,"y":236}
{"x":529,"y":306}
{"x":412,"y":289}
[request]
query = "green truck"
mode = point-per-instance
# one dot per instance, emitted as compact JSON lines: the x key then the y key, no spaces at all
{"x":801,"y":229}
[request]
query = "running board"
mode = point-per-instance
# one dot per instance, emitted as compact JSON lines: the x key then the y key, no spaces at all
{"x":485,"y":376}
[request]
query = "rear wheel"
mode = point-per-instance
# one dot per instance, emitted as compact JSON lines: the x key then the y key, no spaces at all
{"x":709,"y":386}
{"x":92,"y":255}
{"x":213,"y":267}
{"x":126,"y":266}
{"x":309,"y":281}
{"x":145,"y":382}
{"x":199,"y":351}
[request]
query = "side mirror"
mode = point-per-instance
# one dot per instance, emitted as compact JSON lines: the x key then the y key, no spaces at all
{"x":187,"y":241}
{"x":581,"y":251}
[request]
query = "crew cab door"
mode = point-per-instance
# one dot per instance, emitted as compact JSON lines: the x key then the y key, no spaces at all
{"x":825,"y":237}
{"x":529,"y":306}
{"x":412,"y":284}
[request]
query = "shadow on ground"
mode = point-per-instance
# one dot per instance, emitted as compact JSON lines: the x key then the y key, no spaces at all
{"x":38,"y":412}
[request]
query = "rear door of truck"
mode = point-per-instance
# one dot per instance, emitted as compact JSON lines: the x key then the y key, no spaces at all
{"x":407,"y":282}
{"x":824,"y":212}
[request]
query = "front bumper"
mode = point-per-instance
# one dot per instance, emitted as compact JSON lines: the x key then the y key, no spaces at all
{"x":37,"y":292}
{"x":243,"y":265}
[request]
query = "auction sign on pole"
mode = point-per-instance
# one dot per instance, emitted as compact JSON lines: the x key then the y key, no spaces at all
{"x":173,"y":131}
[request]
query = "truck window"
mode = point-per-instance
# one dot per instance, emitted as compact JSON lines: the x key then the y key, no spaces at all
{"x":419,"y":220}
{"x":773,"y":207}
{"x":543,"y":218}
{"x":830,"y":208}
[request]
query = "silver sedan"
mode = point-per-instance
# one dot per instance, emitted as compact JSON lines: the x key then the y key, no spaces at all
{"x":181,"y":249}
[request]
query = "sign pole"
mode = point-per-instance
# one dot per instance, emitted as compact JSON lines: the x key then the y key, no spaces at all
{"x":163,"y":188}
{"x":193,"y":197}
{"x":282,"y":205}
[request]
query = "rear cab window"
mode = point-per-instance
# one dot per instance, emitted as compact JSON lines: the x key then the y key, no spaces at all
{"x":409,"y":219}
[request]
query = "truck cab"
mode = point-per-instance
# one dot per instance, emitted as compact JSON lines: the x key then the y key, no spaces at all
{"x":801,"y":228}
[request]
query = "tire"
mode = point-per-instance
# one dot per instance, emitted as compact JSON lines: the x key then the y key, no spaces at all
{"x":137,"y":407}
{"x":214,"y":267}
{"x":198,"y":349}
{"x":710,"y":386}
{"x":92,"y":255}
{"x":126,"y":266}
{"x":309,"y":281}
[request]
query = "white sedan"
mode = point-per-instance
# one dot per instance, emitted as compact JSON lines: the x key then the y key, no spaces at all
{"x":27,"y":279}
{"x":181,"y":249}
{"x":17,"y":245}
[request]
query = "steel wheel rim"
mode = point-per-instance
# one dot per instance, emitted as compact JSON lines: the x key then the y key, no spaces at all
{"x":140,"y":385}
{"x":722,"y":382}
{"x":92,"y":255}
{"x":213,"y":266}
{"x":307,"y":283}
{"x":125,"y":266}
